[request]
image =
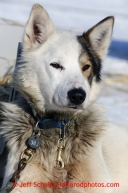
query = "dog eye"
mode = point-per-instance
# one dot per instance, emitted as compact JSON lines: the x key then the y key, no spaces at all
{"x":56,"y":65}
{"x":86,"y":67}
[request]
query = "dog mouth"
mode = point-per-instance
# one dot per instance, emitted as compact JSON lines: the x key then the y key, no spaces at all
{"x":68,"y":106}
{"x":72,"y":107}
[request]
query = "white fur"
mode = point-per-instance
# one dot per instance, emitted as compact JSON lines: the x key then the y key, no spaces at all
{"x":94,"y":91}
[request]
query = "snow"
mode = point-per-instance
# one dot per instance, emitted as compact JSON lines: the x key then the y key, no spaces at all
{"x":115,"y":66}
{"x":72,"y":14}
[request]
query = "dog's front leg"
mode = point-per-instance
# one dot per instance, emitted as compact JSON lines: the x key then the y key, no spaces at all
{"x":90,"y":175}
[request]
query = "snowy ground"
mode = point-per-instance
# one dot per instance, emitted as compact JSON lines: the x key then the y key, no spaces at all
{"x":77,"y":16}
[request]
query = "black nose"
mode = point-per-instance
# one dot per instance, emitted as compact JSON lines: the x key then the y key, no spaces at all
{"x":76,"y":96}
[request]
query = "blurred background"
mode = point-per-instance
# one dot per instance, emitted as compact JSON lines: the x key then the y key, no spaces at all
{"x":76,"y":16}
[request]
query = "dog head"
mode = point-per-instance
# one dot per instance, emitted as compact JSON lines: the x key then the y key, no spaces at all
{"x":61,"y":71}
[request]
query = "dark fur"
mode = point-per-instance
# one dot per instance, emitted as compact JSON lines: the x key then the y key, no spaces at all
{"x":93,"y":57}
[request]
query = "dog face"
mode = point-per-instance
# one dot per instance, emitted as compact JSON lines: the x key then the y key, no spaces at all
{"x":61,"y":71}
{"x":64,"y":84}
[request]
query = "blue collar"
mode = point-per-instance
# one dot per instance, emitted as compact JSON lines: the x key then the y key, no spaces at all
{"x":50,"y":123}
{"x":47,"y":123}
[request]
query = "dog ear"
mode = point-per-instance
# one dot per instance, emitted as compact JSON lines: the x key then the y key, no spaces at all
{"x":39,"y":27}
{"x":99,"y":36}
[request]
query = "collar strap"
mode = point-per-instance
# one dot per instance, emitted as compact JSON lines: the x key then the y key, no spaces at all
{"x":47,"y":123}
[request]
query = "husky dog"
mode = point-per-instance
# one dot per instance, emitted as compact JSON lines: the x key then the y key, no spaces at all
{"x":59,"y":78}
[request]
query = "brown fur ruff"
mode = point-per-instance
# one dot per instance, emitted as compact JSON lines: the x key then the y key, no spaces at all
{"x":82,"y":133}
